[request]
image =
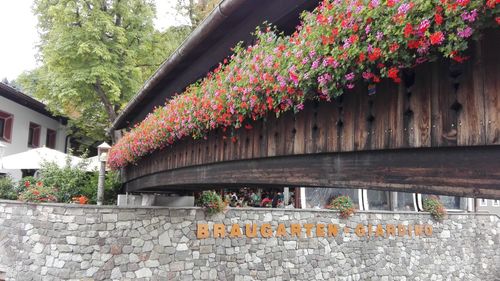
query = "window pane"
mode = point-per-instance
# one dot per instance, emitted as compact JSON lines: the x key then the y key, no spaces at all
{"x":404,"y":201}
{"x":451,"y":202}
{"x":378,"y":200}
{"x":321,"y":197}
{"x":2,"y":127}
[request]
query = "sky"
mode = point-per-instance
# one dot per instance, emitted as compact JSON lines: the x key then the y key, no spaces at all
{"x":19,"y":36}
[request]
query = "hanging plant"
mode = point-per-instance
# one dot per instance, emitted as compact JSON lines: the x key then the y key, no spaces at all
{"x":435,"y":207}
{"x":212,"y":202}
{"x":344,"y":205}
{"x":337,"y":44}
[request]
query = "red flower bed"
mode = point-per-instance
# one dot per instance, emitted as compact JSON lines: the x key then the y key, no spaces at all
{"x":335,"y":45}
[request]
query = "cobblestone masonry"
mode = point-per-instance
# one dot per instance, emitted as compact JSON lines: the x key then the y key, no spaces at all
{"x":61,"y":242}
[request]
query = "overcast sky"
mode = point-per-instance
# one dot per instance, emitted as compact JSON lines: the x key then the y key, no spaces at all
{"x":18,"y":34}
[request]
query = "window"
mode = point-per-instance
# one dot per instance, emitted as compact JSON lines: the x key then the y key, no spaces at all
{"x":6,"y":121}
{"x":451,"y":202}
{"x":50,"y":140}
{"x":321,"y":197}
{"x":34,"y":135}
{"x":404,"y":201}
{"x":496,"y":203}
{"x":378,"y":200}
{"x":483,"y":202}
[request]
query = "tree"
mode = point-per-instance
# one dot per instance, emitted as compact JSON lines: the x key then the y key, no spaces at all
{"x":94,"y":57}
{"x":196,"y":10}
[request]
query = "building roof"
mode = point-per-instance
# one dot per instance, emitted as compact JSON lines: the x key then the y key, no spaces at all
{"x":232,"y":21}
{"x":16,"y":96}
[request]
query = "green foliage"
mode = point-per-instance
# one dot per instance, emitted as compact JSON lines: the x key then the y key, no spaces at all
{"x":212,"y":202}
{"x":7,"y":189}
{"x":38,"y":192}
{"x":94,"y":57}
{"x":435,"y":207}
{"x":68,"y":180}
{"x":196,"y":10}
{"x":344,"y":205}
{"x":111,"y":188}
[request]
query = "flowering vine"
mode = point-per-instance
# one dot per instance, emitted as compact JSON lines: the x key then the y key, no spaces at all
{"x":336,"y":44}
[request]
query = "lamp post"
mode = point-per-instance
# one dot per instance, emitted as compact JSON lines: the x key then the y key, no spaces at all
{"x":102,"y":155}
{"x":2,"y":151}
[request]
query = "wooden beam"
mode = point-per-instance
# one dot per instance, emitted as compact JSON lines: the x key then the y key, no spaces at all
{"x":459,"y":171}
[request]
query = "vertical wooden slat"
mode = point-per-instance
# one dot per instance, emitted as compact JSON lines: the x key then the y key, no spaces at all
{"x":350,"y":102}
{"x":491,"y":64}
{"x":364,"y":118}
{"x":299,"y":136}
{"x":470,"y":94}
{"x":420,"y":104}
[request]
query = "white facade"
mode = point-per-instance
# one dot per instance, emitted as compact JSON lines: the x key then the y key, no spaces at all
{"x":22,"y":116}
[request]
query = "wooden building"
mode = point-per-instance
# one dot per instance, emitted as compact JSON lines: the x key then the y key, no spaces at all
{"x":438,"y":131}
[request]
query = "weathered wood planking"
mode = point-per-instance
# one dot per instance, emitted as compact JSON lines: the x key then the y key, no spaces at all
{"x":460,"y":171}
{"x":438,"y":104}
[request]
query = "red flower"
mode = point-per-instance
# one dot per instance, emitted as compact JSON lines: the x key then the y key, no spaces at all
{"x":437,"y":38}
{"x":408,"y":30}
{"x":27,"y":184}
{"x":394,"y":47}
{"x":248,"y":127}
{"x":361,"y":57}
{"x":497,"y":19}
{"x":438,"y":18}
{"x":374,"y":55}
{"x":393,"y":73}
{"x":391,"y":3}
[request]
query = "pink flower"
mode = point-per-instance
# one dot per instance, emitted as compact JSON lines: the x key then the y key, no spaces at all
{"x":465,"y":33}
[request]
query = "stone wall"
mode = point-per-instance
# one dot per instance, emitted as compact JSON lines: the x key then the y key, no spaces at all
{"x":61,"y":242}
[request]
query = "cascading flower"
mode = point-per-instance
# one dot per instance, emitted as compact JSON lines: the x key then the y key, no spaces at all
{"x":333,"y":46}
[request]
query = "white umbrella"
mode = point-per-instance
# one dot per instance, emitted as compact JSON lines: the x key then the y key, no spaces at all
{"x":33,"y":159}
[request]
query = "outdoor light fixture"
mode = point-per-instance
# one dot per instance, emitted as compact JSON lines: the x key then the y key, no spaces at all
{"x":102,"y":155}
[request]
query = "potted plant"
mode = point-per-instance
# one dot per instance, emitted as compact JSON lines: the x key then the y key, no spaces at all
{"x":212,"y":202}
{"x":435,"y":207}
{"x":343,"y":204}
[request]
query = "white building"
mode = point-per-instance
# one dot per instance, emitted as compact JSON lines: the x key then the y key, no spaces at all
{"x":25,"y":123}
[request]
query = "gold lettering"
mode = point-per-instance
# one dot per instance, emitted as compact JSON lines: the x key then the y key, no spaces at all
{"x":418,"y":230}
{"x":428,"y":229}
{"x":380,"y":231}
{"x":370,"y":228}
{"x":219,"y":230}
{"x":401,"y":230}
{"x":251,"y":232}
{"x":266,"y":231}
{"x":235,"y":231}
{"x":281,"y":231}
{"x":320,"y":230}
{"x":333,"y":230}
{"x":295,"y":230}
{"x":390,"y":230}
{"x":360,"y":230}
{"x":202,"y":232}
{"x":308,"y":227}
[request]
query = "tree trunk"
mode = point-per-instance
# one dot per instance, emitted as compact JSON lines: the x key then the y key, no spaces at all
{"x":108,"y":106}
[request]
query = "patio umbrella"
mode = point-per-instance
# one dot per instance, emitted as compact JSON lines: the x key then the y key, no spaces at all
{"x":33,"y":159}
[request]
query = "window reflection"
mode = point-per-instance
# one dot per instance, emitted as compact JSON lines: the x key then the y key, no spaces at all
{"x":404,"y":201}
{"x":451,"y":202}
{"x":378,"y":200}
{"x":321,"y":197}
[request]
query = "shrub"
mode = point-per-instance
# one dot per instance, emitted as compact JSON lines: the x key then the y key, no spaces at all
{"x":343,"y":204}
{"x":435,"y":207}
{"x":68,"y":180}
{"x":7,"y":189}
{"x":38,"y":192}
{"x":112,"y":186}
{"x":211,"y":202}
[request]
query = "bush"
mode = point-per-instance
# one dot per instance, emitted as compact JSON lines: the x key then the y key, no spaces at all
{"x":111,"y":188}
{"x":212,"y":202}
{"x":38,"y":192}
{"x":68,"y":180}
{"x":343,"y":204}
{"x":73,"y":184}
{"x":7,"y":189}
{"x":435,"y":207}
